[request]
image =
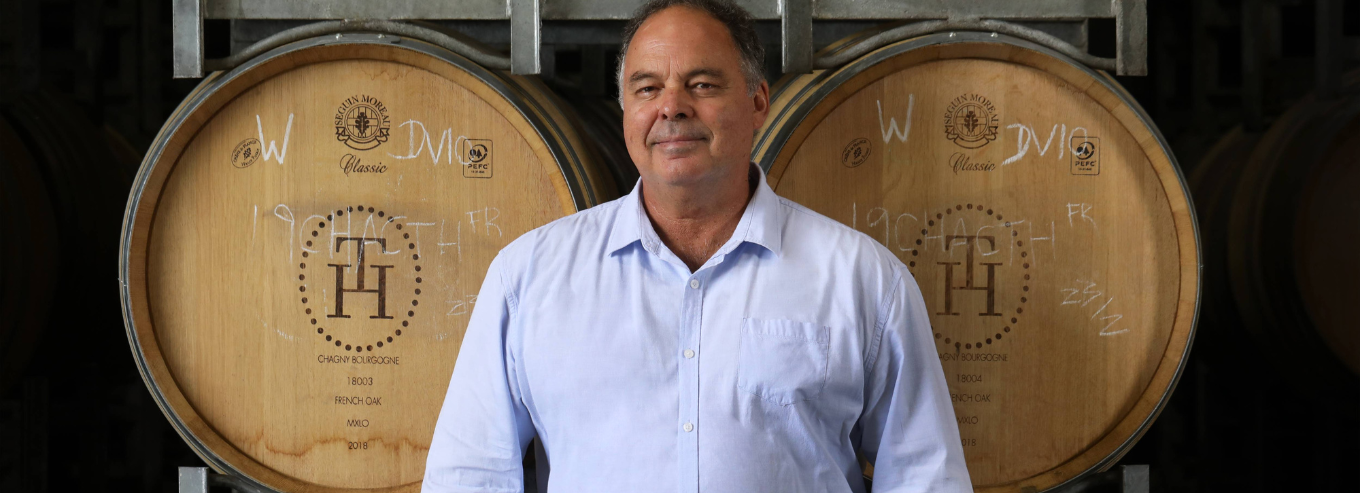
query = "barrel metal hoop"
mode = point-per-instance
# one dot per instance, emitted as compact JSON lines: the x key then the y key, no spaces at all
{"x":583,"y":192}
{"x":424,"y":31}
{"x":907,"y":31}
{"x":124,"y":274}
{"x":884,"y":51}
{"x":570,"y":166}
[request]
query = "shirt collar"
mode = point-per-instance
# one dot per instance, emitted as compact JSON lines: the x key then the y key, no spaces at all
{"x":761,"y":223}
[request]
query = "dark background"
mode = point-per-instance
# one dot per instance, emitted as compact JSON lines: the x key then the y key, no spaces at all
{"x":95,"y":74}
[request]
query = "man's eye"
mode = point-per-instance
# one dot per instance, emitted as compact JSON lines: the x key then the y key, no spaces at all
{"x":703,"y":85}
{"x":646,"y":90}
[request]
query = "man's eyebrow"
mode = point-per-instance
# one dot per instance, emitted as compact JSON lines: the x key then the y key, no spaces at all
{"x":641,"y":75}
{"x":711,"y":72}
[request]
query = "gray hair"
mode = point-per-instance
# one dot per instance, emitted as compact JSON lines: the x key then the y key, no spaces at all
{"x":739,"y":24}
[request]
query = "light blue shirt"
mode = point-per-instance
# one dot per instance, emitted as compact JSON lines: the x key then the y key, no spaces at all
{"x":798,"y":342}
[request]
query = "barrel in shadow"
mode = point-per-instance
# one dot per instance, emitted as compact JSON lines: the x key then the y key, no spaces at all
{"x":602,"y":121}
{"x":62,"y":184}
{"x":1280,"y":217}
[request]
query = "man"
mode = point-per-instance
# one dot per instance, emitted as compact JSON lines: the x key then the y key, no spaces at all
{"x":700,"y":334}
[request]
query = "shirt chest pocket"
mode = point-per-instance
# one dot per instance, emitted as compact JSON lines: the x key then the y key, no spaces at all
{"x":781,"y":360}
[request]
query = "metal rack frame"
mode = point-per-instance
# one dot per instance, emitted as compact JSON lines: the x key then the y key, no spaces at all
{"x":1122,"y":479}
{"x":1033,"y":20}
{"x":796,"y":18}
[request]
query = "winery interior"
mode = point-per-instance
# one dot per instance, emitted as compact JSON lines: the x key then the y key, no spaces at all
{"x":1257,"y":103}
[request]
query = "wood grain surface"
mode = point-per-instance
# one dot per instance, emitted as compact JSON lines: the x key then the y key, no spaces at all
{"x":304,"y":254}
{"x":1048,"y":229}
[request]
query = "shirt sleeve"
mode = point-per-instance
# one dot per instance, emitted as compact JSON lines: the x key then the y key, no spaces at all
{"x":909,"y":431}
{"x":484,"y":428}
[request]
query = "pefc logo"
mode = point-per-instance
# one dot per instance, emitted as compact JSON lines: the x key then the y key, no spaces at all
{"x":478,"y":153}
{"x":477,"y":158}
{"x":1086,"y":155}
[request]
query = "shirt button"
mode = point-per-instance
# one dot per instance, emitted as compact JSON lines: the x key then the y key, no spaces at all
{"x":694,"y":283}
{"x":689,"y":353}
{"x":688,"y":427}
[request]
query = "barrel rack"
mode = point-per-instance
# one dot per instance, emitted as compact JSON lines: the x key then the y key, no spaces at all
{"x":1059,"y":24}
{"x":528,"y":25}
{"x":1121,"y":479}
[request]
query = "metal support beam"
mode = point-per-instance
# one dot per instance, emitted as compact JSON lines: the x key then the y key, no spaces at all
{"x":193,"y":480}
{"x":1253,"y":92}
{"x":1137,"y":478}
{"x":1130,"y":24}
{"x":972,"y":9}
{"x":795,"y":34}
{"x":187,"y":32}
{"x":796,"y":18}
{"x":1121,"y":479}
{"x":526,"y":37}
{"x":198,"y":480}
{"x":1328,"y":38}
{"x":581,"y":10}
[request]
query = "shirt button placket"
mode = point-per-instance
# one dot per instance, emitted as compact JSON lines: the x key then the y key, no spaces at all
{"x":692,"y":309}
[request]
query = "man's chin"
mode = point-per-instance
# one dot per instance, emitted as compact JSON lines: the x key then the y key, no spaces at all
{"x":689,"y":170}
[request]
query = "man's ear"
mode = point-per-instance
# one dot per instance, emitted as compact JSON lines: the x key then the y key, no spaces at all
{"x":762,"y":104}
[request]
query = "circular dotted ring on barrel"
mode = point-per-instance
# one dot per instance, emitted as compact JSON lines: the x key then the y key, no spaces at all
{"x":302,"y":277}
{"x":1024,"y":263}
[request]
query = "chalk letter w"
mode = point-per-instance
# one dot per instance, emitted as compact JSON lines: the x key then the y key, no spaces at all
{"x":892,"y":122}
{"x":269,"y":150}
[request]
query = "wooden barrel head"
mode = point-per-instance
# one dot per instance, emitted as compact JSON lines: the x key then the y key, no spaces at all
{"x":1326,"y":226}
{"x":59,"y":178}
{"x":1043,"y":218}
{"x":601,"y":119}
{"x":306,"y":242}
{"x":30,"y":262}
{"x":1212,"y":183}
{"x":1292,"y":217}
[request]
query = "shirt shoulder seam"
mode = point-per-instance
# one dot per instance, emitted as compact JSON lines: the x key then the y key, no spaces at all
{"x":796,"y":207}
{"x":880,"y":322}
{"x":506,"y":292}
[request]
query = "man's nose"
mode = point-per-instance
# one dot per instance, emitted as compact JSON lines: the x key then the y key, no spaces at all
{"x":676,"y":104}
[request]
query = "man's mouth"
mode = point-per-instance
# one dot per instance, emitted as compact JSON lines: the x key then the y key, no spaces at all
{"x":679,"y":139}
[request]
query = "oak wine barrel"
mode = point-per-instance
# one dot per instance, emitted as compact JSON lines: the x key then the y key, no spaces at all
{"x":305,"y":241}
{"x":1290,"y":229}
{"x":1213,"y":182}
{"x":602,"y":119}
{"x":28,"y":274}
{"x":62,"y":180}
{"x":1044,"y":218}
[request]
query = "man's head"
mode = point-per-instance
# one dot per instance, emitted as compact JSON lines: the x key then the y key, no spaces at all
{"x":692,"y":91}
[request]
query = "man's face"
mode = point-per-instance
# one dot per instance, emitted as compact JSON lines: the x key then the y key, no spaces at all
{"x":687,"y":114}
